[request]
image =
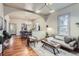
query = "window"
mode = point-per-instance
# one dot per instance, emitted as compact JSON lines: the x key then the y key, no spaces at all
{"x":63,"y":24}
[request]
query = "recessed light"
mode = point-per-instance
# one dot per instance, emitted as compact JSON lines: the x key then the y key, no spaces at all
{"x":49,"y":3}
{"x":37,"y":11}
{"x":52,"y":11}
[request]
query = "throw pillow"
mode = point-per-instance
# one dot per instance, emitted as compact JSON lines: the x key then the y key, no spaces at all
{"x":67,"y":39}
{"x":72,"y":43}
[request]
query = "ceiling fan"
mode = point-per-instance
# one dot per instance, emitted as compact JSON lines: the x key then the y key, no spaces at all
{"x":45,"y":5}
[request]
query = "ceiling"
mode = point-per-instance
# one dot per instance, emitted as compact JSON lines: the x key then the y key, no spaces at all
{"x":23,"y":15}
{"x":36,"y":6}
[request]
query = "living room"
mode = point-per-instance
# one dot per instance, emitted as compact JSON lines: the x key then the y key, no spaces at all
{"x":47,"y":33}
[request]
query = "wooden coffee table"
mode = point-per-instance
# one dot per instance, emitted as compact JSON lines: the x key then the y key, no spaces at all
{"x":52,"y":44}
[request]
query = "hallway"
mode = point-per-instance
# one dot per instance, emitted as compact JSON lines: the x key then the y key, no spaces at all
{"x":19,"y":48}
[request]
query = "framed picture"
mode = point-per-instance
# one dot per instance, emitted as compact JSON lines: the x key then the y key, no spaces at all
{"x":1,"y":23}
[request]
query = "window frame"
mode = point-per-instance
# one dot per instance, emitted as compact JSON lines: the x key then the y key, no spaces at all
{"x":59,"y":25}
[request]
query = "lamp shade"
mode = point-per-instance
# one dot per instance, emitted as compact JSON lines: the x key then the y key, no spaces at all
{"x":50,"y":31}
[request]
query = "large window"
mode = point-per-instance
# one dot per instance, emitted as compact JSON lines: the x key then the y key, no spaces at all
{"x":63,"y":24}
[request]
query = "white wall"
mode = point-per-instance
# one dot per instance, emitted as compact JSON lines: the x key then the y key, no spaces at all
{"x":74,"y":17}
{"x":42,"y":23}
{"x":7,"y":21}
{"x":52,"y":22}
{"x":1,"y":14}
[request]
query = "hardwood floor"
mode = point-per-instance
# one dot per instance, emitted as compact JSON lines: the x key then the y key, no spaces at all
{"x":19,"y":48}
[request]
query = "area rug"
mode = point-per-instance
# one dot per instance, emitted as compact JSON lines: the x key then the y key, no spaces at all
{"x":47,"y":51}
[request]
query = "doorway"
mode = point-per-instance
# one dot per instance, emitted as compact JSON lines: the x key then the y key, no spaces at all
{"x":12,"y":28}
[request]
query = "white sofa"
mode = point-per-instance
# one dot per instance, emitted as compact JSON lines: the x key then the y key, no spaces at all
{"x":60,"y":40}
{"x":39,"y":34}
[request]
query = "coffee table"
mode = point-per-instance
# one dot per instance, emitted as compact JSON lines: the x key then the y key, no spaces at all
{"x":52,"y":44}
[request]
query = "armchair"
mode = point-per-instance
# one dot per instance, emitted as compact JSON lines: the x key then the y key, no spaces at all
{"x":39,"y":35}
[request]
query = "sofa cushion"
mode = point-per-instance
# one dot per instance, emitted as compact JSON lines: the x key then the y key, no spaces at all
{"x":72,"y":44}
{"x":49,"y":39}
{"x":59,"y":37}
